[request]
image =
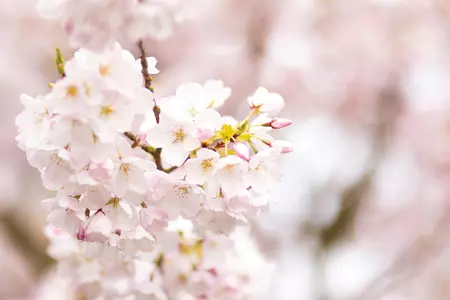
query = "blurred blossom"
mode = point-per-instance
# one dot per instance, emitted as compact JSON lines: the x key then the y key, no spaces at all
{"x":349,"y":269}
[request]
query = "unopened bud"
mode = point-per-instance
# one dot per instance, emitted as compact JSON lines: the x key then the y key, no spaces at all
{"x":286,"y":147}
{"x":81,"y":234}
{"x":241,"y":151}
{"x":279,"y":123}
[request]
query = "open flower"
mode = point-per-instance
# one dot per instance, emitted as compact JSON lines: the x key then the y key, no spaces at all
{"x":200,"y":169}
{"x":263,"y":171}
{"x":178,"y":137}
{"x":266,"y":102}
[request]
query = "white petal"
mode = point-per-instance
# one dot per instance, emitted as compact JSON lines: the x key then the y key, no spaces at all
{"x":194,"y":171}
{"x":175,"y":155}
{"x":207,"y":153}
{"x":209,"y":119}
{"x":190,"y":143}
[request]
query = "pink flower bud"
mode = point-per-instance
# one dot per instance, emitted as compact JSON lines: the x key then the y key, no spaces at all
{"x":286,"y":147}
{"x":242,"y":151}
{"x":81,"y":234}
{"x":279,"y":123}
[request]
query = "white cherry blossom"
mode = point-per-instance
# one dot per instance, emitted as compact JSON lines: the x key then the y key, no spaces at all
{"x":217,"y":93}
{"x":263,"y":171}
{"x":65,"y":213}
{"x":266,"y":102}
{"x":177,"y":137}
{"x":33,"y":122}
{"x":230,"y":173}
{"x":200,"y":169}
{"x":183,"y":199}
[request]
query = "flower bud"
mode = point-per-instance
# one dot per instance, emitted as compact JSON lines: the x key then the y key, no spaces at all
{"x":279,"y":123}
{"x":81,"y":234}
{"x":241,"y":151}
{"x":286,"y":147}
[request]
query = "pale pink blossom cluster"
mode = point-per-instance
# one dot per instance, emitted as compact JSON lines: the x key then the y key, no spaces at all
{"x":125,"y":165}
{"x":94,"y":23}
{"x":181,"y":266}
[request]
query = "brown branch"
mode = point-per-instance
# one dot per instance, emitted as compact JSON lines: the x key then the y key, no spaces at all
{"x":388,"y":109}
{"x":144,"y":64}
{"x":156,"y":153}
{"x":157,"y":158}
{"x":147,"y":77}
{"x":149,"y":149}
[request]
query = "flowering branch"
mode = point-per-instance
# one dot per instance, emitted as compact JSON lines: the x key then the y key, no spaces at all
{"x":116,"y":208}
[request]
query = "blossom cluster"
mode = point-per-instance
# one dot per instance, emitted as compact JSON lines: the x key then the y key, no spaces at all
{"x":124,"y":168}
{"x":184,"y":267}
{"x":96,"y":23}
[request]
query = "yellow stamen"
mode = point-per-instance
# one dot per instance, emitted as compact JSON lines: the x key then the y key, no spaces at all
{"x":104,"y":70}
{"x":125,"y":169}
{"x":106,"y":110}
{"x":206,"y":164}
{"x":178,"y":136}
{"x":114,"y":202}
{"x":182,"y":192}
{"x":72,"y":90}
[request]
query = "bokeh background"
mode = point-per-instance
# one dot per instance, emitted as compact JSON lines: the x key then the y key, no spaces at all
{"x":363,"y":211}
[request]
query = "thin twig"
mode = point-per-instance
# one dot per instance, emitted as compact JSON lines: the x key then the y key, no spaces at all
{"x":146,"y":148}
{"x":144,"y":64}
{"x":156,"y":153}
{"x":156,"y":110}
{"x":147,"y":77}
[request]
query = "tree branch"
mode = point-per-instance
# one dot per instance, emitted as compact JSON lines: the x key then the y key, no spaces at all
{"x":147,"y":78}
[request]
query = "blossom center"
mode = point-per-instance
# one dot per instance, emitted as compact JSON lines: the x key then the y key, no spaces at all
{"x":259,"y":167}
{"x":206,"y":164}
{"x":56,"y":160}
{"x":229,"y":168}
{"x":125,"y":169}
{"x":182,"y":192}
{"x":106,"y":110}
{"x":114,"y":202}
{"x":178,"y":135}
{"x":104,"y":70}
{"x":72,"y":90}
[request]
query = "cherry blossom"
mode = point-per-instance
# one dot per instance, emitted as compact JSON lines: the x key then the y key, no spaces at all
{"x":149,"y":190}
{"x":96,"y":24}
{"x":263,"y":171}
{"x":265,"y":101}
{"x":201,"y":168}
{"x":177,"y":136}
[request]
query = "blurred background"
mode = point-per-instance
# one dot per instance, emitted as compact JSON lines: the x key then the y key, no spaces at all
{"x":363,"y":211}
